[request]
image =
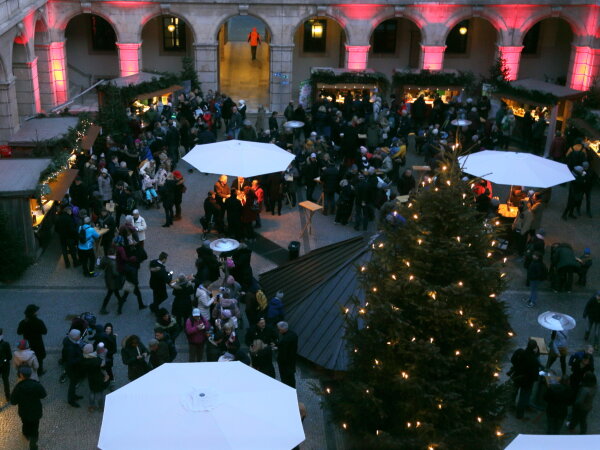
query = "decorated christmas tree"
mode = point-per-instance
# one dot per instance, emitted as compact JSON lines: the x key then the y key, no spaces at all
{"x":427,"y":336}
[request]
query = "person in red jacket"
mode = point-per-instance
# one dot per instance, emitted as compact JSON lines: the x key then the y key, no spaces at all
{"x":196,"y":329}
{"x":254,"y":39}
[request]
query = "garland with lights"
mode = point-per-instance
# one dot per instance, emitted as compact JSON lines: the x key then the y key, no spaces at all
{"x":426,"y":340}
{"x":329,"y":77}
{"x":428,"y":78}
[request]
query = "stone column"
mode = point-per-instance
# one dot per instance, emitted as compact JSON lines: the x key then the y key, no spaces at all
{"x":512,"y":59}
{"x":583,"y":67}
{"x":207,"y":63}
{"x":57,"y":61}
{"x":27,"y":88}
{"x":9,"y":115}
{"x":130,"y":58}
{"x":432,"y":57}
{"x":281,"y":76}
{"x":357,"y":57}
{"x":47,"y":95}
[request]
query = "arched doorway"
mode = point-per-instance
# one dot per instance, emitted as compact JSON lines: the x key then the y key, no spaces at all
{"x":318,"y":42}
{"x":546,"y":51}
{"x":240,"y":76}
{"x":166,"y":40}
{"x":395,"y":44}
{"x":471,"y":45}
{"x":91,"y":52}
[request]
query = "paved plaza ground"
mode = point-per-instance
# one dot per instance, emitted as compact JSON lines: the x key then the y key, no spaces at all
{"x":62,"y":292}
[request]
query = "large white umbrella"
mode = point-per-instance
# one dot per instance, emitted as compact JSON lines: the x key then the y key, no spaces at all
{"x":187,"y":406}
{"x":556,"y":321}
{"x":512,"y":168}
{"x":239,"y":158}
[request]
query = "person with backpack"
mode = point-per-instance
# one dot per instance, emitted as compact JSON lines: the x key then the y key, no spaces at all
{"x":536,"y":273}
{"x":524,"y":373}
{"x":87,"y":236}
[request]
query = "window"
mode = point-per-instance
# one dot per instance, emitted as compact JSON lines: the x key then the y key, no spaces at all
{"x":384,"y":37}
{"x":456,"y":42}
{"x":531,"y":39}
{"x":103,"y":35}
{"x":315,"y":36}
{"x":173,"y":34}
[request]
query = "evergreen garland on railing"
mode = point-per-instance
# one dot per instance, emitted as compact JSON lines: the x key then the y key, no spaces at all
{"x":330,"y":77}
{"x":427,"y":78}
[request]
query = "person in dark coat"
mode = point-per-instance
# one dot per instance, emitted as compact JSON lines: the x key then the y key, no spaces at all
{"x":274,"y":188}
{"x":179,"y":191}
{"x":183,"y":290}
{"x":345,"y":202}
{"x":72,"y":356}
{"x":134,"y":355}
{"x":558,"y":397}
{"x":261,"y":355}
{"x":592,"y":313}
{"x":67,"y":233}
{"x":167,"y":195}
{"x":310,"y":171}
{"x":79,"y":193}
{"x":249,"y":213}
{"x":536,"y":273}
{"x":233,"y":208}
{"x":261,"y":331}
{"x":212,"y":212}
{"x":92,"y":369}
{"x":564,"y":264}
{"x":526,"y":367}
{"x":27,"y":395}
{"x":112,"y":279}
{"x":109,"y":339}
{"x":330,"y":182}
{"x":159,"y":278}
{"x":576,"y":190}
{"x":584,"y":401}
{"x":287,"y":348}
{"x":406,"y":183}
{"x":32,"y":328}
{"x":5,"y":358}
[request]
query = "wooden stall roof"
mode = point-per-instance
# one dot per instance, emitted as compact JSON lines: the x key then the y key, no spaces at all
{"x":136,"y":78}
{"x":560,"y":92}
{"x":317,"y":287}
{"x":160,"y":92}
{"x":20,"y":177}
{"x":60,"y":186}
{"x":34,"y":131}
{"x":90,"y":137}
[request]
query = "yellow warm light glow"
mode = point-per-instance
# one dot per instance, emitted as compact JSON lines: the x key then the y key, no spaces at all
{"x":316,"y":30}
{"x":463,"y":30}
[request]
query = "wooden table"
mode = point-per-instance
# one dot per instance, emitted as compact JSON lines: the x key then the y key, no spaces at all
{"x":309,"y":209}
{"x":508,"y":211}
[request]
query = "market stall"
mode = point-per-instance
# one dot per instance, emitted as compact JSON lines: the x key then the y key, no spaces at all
{"x":19,"y":181}
{"x":336,"y":85}
{"x":546,"y":101}
{"x":447,"y":85}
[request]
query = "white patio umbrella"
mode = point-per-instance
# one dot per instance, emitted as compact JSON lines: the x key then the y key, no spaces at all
{"x":512,"y":168}
{"x":239,"y":158}
{"x":187,"y":406}
{"x":556,"y":321}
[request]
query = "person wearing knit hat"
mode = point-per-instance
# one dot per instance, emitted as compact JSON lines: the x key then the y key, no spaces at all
{"x":27,"y":395}
{"x":24,"y":356}
{"x":72,"y":356}
{"x":91,"y":368}
{"x":32,"y":328}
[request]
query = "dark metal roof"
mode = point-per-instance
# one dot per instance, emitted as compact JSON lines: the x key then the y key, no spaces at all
{"x":20,"y":177}
{"x":317,"y":287}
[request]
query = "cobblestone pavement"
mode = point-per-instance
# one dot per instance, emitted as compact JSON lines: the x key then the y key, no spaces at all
{"x":62,"y":292}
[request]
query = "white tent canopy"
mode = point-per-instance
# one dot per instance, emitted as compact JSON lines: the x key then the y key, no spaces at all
{"x":555,"y":442}
{"x":513,"y":168}
{"x":239,"y":158}
{"x":189,"y":406}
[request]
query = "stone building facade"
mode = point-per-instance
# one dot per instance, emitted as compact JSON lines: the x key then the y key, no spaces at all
{"x":49,"y":47}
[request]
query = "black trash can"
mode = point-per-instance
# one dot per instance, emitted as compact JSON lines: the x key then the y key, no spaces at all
{"x":294,"y":250}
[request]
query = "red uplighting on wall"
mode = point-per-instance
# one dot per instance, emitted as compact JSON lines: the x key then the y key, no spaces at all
{"x":58,"y":71}
{"x":125,"y":4}
{"x":359,"y":11}
{"x":433,"y":56}
{"x":584,"y":68}
{"x":512,"y":58}
{"x":357,"y":56}
{"x":129,"y":58}
{"x":36,"y":86}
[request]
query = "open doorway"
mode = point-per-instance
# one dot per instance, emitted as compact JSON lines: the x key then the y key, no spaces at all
{"x":240,"y":76}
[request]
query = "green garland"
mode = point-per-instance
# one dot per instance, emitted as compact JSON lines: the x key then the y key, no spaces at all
{"x":427,"y":78}
{"x":532,"y":95}
{"x":329,"y":77}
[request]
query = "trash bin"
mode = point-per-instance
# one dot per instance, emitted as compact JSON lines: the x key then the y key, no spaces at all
{"x":294,"y":249}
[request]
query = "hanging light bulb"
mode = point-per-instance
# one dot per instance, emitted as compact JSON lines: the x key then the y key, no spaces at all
{"x":463,"y":30}
{"x":171,"y":27}
{"x":316,"y":30}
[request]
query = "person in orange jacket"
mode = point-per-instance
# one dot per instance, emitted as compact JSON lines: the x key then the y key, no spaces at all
{"x":254,"y":39}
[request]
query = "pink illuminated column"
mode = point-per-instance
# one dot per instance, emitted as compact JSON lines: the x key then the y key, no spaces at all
{"x":357,"y":57}
{"x":432,"y":57}
{"x":27,"y":86}
{"x":130,"y":58}
{"x":58,"y":71}
{"x":512,"y":59}
{"x":584,"y":65}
